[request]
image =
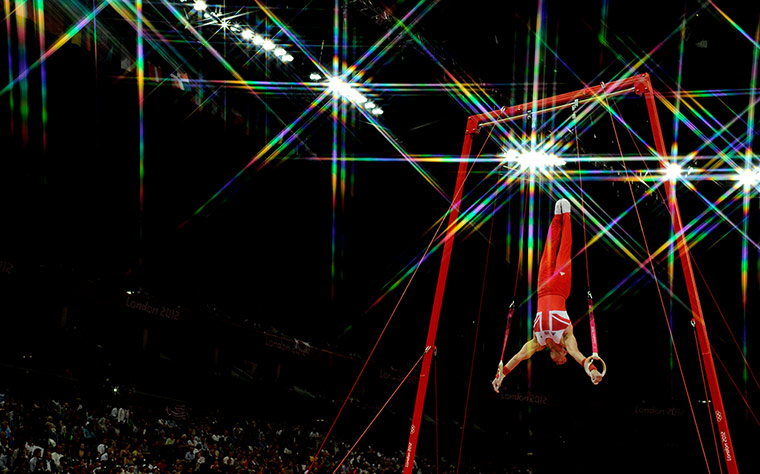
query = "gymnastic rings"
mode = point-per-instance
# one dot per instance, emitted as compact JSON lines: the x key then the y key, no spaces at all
{"x":589,"y":360}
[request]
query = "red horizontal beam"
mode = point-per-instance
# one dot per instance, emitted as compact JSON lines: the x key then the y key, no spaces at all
{"x":638,"y":82}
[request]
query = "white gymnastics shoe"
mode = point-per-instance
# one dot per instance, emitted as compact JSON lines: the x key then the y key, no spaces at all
{"x":562,"y":206}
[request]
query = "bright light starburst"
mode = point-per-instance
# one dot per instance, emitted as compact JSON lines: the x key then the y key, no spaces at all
{"x":748,"y":177}
{"x":532,"y":161}
{"x":672,"y":172}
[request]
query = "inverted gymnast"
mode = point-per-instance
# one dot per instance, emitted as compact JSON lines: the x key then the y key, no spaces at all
{"x":552,"y":327}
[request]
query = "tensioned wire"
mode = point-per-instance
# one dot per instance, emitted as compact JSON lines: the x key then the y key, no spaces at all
{"x":424,"y":256}
{"x":725,"y":322}
{"x":659,"y":292}
{"x":403,"y":381}
{"x":733,"y":337}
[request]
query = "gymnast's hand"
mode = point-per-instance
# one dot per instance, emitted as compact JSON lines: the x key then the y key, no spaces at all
{"x":496,"y":383}
{"x":592,"y":371}
{"x":596,"y":376}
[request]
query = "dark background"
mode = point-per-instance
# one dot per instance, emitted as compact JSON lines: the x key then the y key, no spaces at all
{"x":281,"y":255}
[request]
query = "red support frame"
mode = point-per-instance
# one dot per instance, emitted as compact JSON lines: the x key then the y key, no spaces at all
{"x":640,"y":85}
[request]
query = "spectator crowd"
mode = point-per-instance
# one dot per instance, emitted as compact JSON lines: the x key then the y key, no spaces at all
{"x":70,"y":437}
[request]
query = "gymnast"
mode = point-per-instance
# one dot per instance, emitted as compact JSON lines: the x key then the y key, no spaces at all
{"x":552,"y":327}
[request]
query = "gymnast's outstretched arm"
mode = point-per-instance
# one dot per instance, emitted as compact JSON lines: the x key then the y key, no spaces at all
{"x":525,"y":353}
{"x":570,"y":343}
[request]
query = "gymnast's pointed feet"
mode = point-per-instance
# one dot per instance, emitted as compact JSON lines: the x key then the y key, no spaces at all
{"x":496,"y":383}
{"x":562,"y":206}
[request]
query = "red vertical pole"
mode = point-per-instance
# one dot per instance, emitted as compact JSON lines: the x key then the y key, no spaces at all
{"x":696,"y":306}
{"x":437,"y":302}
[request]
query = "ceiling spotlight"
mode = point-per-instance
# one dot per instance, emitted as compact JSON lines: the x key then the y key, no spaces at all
{"x":314,"y":76}
{"x":345,"y":90}
{"x":672,"y":171}
{"x":370,"y":105}
{"x":748,"y":178}
{"x":240,"y":31}
{"x":338,"y":86}
{"x":377,"y":111}
{"x":533,"y":161}
{"x":341,"y":88}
